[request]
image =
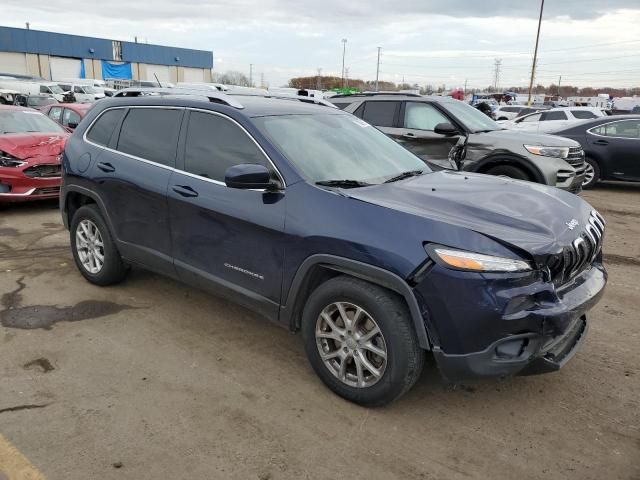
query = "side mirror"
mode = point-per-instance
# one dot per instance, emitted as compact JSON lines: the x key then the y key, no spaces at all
{"x":445,"y":129}
{"x":72,"y":125}
{"x":248,"y":176}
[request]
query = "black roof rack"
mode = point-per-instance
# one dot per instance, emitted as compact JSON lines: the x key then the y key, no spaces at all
{"x":373,"y":94}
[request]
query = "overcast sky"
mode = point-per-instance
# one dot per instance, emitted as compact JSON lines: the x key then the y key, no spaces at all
{"x":588,"y":42}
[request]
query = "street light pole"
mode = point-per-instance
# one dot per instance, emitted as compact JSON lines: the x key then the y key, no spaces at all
{"x":535,"y":54}
{"x":344,"y":51}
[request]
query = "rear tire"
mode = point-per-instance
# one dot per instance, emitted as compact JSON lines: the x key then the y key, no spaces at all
{"x":378,"y":337}
{"x":94,"y":250}
{"x":509,"y":171}
{"x":592,"y":174}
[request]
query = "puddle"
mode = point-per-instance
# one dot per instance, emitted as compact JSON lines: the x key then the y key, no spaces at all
{"x":8,"y":232}
{"x":45,"y":316}
{"x":43,"y":364}
{"x":12,"y":299}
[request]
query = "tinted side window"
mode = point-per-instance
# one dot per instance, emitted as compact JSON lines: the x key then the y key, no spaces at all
{"x":215,"y":144}
{"x":380,"y":114}
{"x":70,"y":118}
{"x":532,"y":118}
{"x":623,"y":129}
{"x":554,"y":116}
{"x":341,"y":106}
{"x":583,"y":114}
{"x":43,"y":89}
{"x":151,"y":133}
{"x":102,"y":129}
{"x":359,"y":111}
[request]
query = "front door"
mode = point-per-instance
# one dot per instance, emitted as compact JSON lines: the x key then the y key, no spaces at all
{"x":419,"y":119}
{"x":227,"y":239}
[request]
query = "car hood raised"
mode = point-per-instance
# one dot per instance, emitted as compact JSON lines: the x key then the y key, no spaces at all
{"x":527,"y":138}
{"x":28,"y":145}
{"x":524,"y":215}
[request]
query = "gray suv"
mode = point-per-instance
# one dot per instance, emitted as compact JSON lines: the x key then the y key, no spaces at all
{"x":449,"y":134}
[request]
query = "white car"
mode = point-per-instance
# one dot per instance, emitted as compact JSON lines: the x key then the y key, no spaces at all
{"x":553,"y":119}
{"x":83,"y":93}
{"x":507,"y":112}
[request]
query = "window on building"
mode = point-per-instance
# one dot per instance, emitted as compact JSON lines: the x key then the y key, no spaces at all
{"x":117,"y":50}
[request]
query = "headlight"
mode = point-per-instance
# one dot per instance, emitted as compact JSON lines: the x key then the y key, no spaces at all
{"x":477,"y":262}
{"x":556,"y":152}
{"x":7,"y":160}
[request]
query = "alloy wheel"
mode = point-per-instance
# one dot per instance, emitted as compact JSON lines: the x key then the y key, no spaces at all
{"x":89,"y":246}
{"x":589,"y":173}
{"x":351,"y":344}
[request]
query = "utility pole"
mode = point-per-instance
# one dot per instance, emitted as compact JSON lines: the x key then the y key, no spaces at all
{"x":464,"y":92}
{"x":262,"y":80}
{"x":497,"y":64}
{"x":378,"y":69}
{"x":344,"y":51}
{"x":251,"y":74}
{"x":346,"y":77}
{"x":559,"y":82}
{"x":535,"y":54}
{"x":319,"y":82}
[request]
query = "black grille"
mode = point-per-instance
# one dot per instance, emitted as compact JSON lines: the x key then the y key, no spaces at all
{"x":581,"y":253}
{"x":46,"y":191}
{"x":43,"y":171}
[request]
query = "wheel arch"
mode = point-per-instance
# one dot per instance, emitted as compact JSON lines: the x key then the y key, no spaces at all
{"x":319,"y":268}
{"x":75,"y":197}
{"x":504,"y":158}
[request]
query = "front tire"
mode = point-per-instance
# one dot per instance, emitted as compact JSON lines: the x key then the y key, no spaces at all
{"x":94,"y":250}
{"x":360,"y":341}
{"x":591,"y":174}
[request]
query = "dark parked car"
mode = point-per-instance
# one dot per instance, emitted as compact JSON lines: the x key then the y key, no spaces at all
{"x":67,"y":114}
{"x":321,"y":223}
{"x":611,"y":145}
{"x":450,"y":134}
{"x":34,"y":101}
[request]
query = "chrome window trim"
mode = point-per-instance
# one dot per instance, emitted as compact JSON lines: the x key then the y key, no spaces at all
{"x":173,"y":169}
{"x":589,"y":131}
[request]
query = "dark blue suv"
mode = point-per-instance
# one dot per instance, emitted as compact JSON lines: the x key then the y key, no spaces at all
{"x":321,"y":223}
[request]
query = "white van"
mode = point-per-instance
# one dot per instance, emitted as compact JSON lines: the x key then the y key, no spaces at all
{"x":83,"y":93}
{"x":31,"y":88}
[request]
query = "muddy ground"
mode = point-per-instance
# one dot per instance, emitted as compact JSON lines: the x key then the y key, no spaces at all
{"x":153,"y":380}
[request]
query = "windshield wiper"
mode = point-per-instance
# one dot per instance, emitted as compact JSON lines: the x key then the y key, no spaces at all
{"x":403,"y":175}
{"x":342,"y":183}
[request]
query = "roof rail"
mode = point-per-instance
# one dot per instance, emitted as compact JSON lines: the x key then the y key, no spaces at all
{"x":373,"y":94}
{"x":211,"y":95}
{"x":303,"y":98}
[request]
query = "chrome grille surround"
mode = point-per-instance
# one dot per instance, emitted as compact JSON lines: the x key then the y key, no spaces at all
{"x":581,"y":252}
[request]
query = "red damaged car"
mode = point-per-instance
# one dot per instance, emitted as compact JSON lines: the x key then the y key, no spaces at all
{"x":30,"y":149}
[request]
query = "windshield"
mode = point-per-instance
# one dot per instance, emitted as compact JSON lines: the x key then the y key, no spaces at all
{"x":89,"y":89}
{"x":338,"y":147}
{"x":17,"y":121}
{"x":472,"y":118}
{"x":55,"y":89}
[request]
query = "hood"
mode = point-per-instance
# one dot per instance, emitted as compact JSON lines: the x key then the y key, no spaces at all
{"x":524,"y":215}
{"x":527,"y":138}
{"x":27,"y":145}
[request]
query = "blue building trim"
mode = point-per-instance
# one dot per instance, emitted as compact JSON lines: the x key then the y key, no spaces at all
{"x":75,"y":46}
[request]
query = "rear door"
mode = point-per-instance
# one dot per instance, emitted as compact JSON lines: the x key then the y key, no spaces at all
{"x":228,"y":239}
{"x":619,"y":142}
{"x":131,"y":176}
{"x":554,"y":120}
{"x":419,"y":120}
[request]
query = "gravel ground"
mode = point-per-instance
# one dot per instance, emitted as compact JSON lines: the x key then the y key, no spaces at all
{"x":151,"y":379}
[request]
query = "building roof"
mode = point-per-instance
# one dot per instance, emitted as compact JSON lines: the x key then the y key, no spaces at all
{"x":75,"y":46}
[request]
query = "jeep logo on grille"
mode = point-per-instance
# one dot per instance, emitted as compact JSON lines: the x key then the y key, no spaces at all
{"x":572,"y":224}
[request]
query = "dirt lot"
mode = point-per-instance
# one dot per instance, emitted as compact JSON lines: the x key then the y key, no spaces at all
{"x":152,"y":380}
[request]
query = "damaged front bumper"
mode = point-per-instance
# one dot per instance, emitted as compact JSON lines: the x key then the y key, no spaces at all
{"x":527,"y":328}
